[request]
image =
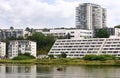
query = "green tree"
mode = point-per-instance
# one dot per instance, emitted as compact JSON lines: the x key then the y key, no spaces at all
{"x":117,"y":26}
{"x":99,"y":57}
{"x":39,"y":38}
{"x":12,"y":28}
{"x":102,"y":33}
{"x":27,"y":29}
{"x":49,"y":39}
{"x":25,"y":56}
{"x":45,"y":29}
{"x":51,"y":56}
{"x":44,"y":43}
{"x":68,"y":36}
{"x":63,"y":55}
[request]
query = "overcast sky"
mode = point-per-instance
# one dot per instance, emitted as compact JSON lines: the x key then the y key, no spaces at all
{"x":50,"y":13}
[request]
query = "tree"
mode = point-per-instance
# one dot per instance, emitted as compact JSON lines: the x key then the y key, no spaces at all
{"x":117,"y":26}
{"x":27,"y":29}
{"x":63,"y":55}
{"x":45,"y":29}
{"x":12,"y":28}
{"x":39,"y":38}
{"x":102,"y":33}
{"x":44,"y":43}
{"x":68,"y":36}
{"x":49,"y":39}
{"x":99,"y":57}
{"x":51,"y":56}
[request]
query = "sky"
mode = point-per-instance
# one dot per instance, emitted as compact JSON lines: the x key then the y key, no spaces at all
{"x":50,"y":13}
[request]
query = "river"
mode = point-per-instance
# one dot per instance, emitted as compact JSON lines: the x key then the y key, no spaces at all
{"x":44,"y":71}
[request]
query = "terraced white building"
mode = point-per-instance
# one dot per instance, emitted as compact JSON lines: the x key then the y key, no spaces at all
{"x":77,"y":48}
{"x":74,"y":33}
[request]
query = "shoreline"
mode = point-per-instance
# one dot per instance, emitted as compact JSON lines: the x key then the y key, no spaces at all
{"x":62,"y":62}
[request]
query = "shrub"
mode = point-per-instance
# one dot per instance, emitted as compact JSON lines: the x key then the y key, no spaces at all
{"x":51,"y":56}
{"x":99,"y":57}
{"x":106,"y":57}
{"x":63,"y":55}
{"x":25,"y":56}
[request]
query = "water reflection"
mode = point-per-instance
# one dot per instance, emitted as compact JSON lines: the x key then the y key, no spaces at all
{"x":41,"y":71}
{"x":12,"y":71}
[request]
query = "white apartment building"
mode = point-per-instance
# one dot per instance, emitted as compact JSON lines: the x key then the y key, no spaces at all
{"x":78,"y":48}
{"x":21,"y":46}
{"x":6,"y":33}
{"x":90,"y":16}
{"x":74,"y":33}
{"x":2,"y":49}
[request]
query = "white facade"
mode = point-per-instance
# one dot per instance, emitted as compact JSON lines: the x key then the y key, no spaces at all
{"x":78,"y":48}
{"x":74,"y":33}
{"x":117,"y":32}
{"x":2,"y":49}
{"x":90,"y":16}
{"x":6,"y":33}
{"x":21,"y":46}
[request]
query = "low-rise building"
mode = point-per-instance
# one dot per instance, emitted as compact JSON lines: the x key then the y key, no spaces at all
{"x":61,"y":33}
{"x":78,"y":48}
{"x":20,"y":47}
{"x":2,"y":49}
{"x":7,"y":33}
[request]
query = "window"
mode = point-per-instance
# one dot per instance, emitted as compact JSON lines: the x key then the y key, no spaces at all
{"x":111,"y":48}
{"x":103,"y":52}
{"x":81,"y":55}
{"x":72,"y":32}
{"x":107,"y":45}
{"x":88,"y":52}
{"x":117,"y":48}
{"x":105,"y":48}
{"x":115,"y":52}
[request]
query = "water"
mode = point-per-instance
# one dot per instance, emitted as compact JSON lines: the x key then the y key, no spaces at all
{"x":41,"y":71}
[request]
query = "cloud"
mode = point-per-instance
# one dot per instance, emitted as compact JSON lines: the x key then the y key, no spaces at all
{"x":37,"y":13}
{"x":55,"y":13}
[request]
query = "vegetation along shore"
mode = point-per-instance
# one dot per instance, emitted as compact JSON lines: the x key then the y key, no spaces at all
{"x":62,"y":60}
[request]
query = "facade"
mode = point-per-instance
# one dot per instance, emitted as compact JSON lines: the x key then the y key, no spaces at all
{"x":21,"y":46}
{"x":117,"y":32}
{"x":78,"y":48}
{"x":7,"y":33}
{"x":2,"y":49}
{"x":90,"y":16}
{"x":74,"y":33}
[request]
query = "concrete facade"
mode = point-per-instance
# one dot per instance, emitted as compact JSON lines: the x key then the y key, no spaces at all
{"x":90,"y":16}
{"x":21,"y":46}
{"x":7,"y":33}
{"x":78,"y":48}
{"x":74,"y":33}
{"x":2,"y":49}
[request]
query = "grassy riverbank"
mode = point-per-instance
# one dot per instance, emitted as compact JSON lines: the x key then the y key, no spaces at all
{"x":61,"y":62}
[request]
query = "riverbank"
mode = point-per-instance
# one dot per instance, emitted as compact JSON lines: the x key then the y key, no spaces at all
{"x":60,"y":62}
